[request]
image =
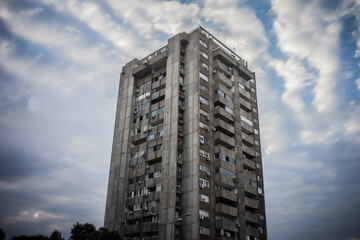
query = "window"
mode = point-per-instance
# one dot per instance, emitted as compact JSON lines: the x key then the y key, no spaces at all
{"x":144,"y":85}
{"x":155,"y":148}
{"x":203,"y":76}
{"x":203,"y":214}
{"x":203,"y":43}
{"x":139,"y":130}
{"x":261,"y":216}
{"x":203,"y":139}
{"x":253,"y":99}
{"x":137,"y":207}
{"x":130,"y":194}
{"x":257,"y":142}
{"x":142,"y":96}
{"x":252,"y":89}
{"x":258,"y":166}
{"x":158,"y":187}
{"x":204,"y":66}
{"x":137,"y":154}
{"x":221,"y":93}
{"x":204,"y":153}
{"x":256,"y":131}
{"x":260,"y":191}
{"x":254,"y":110}
{"x":241,"y":86}
{"x":257,"y":154}
{"x":204,"y":113}
{"x":204,"y":231}
{"x":156,"y":135}
{"x":141,"y":107}
{"x":250,"y":182}
{"x":157,"y":174}
{"x":204,"y":101}
{"x":229,"y":110}
{"x":204,"y":183}
{"x":204,"y":89}
{"x":203,"y":167}
{"x":204,"y":126}
{"x":181,"y":80}
{"x":204,"y":54}
{"x":255,"y":120}
{"x":225,"y":158}
{"x":258,"y":178}
{"x":157,"y":111}
{"x":204,"y":198}
{"x":246,"y":120}
{"x":225,"y":172}
{"x":142,"y":117}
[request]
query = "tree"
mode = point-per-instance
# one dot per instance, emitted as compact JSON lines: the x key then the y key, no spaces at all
{"x":105,"y":234}
{"x":2,"y":234}
{"x":32,"y":237}
{"x":85,"y":231}
{"x":56,"y":235}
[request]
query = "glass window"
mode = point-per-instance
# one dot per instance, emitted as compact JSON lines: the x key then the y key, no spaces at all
{"x":203,"y":43}
{"x":204,"y":153}
{"x":204,"y":183}
{"x":246,"y":120}
{"x":157,"y":111}
{"x":203,"y":139}
{"x":204,"y":126}
{"x":204,"y":113}
{"x":204,"y":100}
{"x":204,"y":66}
{"x":204,"y":54}
{"x":203,"y":213}
{"x":226,"y":172}
{"x":258,"y":166}
{"x":257,"y":142}
{"x":256,"y":131}
{"x":204,"y":198}
{"x":203,"y":76}
{"x":204,"y":89}
{"x":204,"y":231}
{"x":204,"y":168}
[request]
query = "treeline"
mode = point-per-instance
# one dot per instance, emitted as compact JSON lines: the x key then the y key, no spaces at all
{"x":79,"y":231}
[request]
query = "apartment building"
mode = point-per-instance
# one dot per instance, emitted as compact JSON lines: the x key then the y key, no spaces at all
{"x":186,"y":159}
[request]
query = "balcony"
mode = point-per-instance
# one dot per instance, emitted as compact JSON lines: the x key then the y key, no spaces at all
{"x":149,"y":227}
{"x":132,"y":229}
{"x":251,"y":190}
{"x":222,"y":67}
{"x":251,"y":217}
{"x":225,"y":180}
{"x":153,"y":61}
{"x":252,"y":232}
{"x":244,"y":94}
{"x":226,"y":194}
{"x":154,"y":155}
{"x":157,"y":119}
{"x":220,"y":54}
{"x":226,"y":210}
{"x":247,"y":139}
{"x":251,"y":203}
{"x":221,"y":113}
{"x":245,"y":127}
{"x":226,"y":224}
{"x":248,"y":150}
{"x":221,"y":78}
{"x":157,"y":96}
{"x":223,"y":101}
{"x":245,"y":72}
{"x":227,"y":152}
{"x":223,"y":139}
{"x":249,"y":164}
{"x":224,"y":127}
{"x":250,"y":175}
{"x":139,"y":138}
{"x":245,"y":105}
{"x":226,"y":165}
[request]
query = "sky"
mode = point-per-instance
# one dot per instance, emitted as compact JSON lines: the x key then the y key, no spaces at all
{"x":60,"y":62}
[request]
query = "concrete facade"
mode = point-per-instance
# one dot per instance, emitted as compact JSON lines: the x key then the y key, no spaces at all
{"x":187,"y":142}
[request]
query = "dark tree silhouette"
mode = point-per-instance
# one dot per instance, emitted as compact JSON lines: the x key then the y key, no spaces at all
{"x":2,"y":234}
{"x":56,"y":235}
{"x":85,"y":231}
{"x":32,"y":237}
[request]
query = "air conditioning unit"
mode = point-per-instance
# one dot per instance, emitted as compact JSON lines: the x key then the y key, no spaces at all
{"x":146,"y":195}
{"x":208,"y":158}
{"x":214,"y":129}
{"x":147,"y":167}
{"x":208,"y":173}
{"x":152,"y":116}
{"x":201,"y":141}
{"x":137,"y":90}
{"x":147,"y":96}
{"x":135,"y":111}
{"x":123,"y":221}
{"x":201,"y":217}
{"x":208,"y":118}
{"x":237,"y":225}
{"x":131,"y":212}
{"x":145,"y":208}
{"x":201,"y":186}
{"x":235,"y":180}
{"x":139,"y":182}
{"x":183,"y":89}
{"x":214,"y":71}
{"x":182,"y":108}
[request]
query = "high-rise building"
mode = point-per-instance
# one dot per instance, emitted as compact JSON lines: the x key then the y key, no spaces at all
{"x":186,"y":158}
